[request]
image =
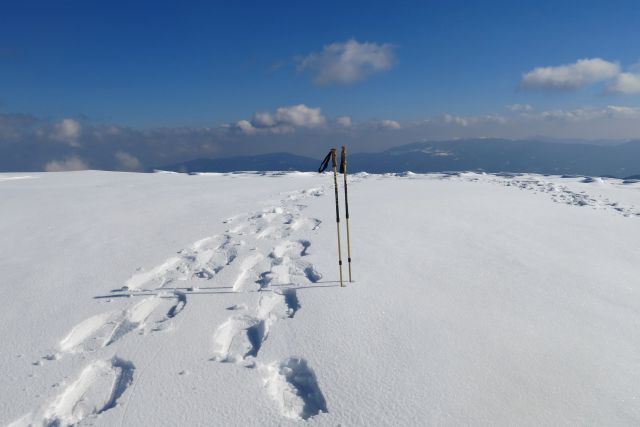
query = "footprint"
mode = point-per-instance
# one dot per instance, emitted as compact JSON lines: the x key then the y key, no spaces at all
{"x":266,"y":232}
{"x":99,"y":388}
{"x":311,"y":273}
{"x":133,"y":318}
{"x":291,"y":300}
{"x":257,"y":334}
{"x":142,"y":279}
{"x":107,"y":328}
{"x":265,"y":279}
{"x":238,"y":338}
{"x":294,"y":386}
{"x":314,"y":192}
{"x":203,"y":260}
{"x":179,"y":305}
{"x":272,"y":305}
{"x":242,"y":336}
{"x":286,"y":269}
{"x":281,"y":249}
{"x":210,"y":262}
{"x":247,"y":264}
{"x":305,"y":247}
{"x":309,"y":223}
{"x":86,"y":335}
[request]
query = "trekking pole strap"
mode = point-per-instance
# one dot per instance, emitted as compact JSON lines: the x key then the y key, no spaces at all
{"x":325,"y":163}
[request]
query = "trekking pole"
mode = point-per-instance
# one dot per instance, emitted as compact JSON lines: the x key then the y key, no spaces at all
{"x":332,"y":156}
{"x":343,"y":170}
{"x":335,"y":185}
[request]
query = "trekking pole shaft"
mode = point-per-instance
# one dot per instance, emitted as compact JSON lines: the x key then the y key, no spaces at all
{"x":346,"y":205}
{"x":335,"y":185}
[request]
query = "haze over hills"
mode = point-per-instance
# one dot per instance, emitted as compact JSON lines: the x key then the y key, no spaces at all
{"x":489,"y":155}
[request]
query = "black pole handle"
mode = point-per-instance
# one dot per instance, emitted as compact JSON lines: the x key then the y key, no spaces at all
{"x":325,"y":163}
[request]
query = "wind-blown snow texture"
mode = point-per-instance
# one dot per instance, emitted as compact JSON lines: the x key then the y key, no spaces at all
{"x":167,"y":299}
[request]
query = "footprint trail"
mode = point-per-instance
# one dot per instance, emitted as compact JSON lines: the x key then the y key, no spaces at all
{"x":266,"y":251}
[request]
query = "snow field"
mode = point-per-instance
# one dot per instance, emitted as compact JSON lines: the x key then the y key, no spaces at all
{"x":480,"y":299}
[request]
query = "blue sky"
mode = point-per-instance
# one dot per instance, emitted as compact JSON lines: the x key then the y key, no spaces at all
{"x":151,"y":65}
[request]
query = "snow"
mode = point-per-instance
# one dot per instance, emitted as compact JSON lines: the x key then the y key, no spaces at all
{"x":212,"y":299}
{"x":7,"y":177}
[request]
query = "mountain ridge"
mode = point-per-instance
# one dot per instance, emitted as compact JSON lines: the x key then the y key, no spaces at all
{"x":484,"y":154}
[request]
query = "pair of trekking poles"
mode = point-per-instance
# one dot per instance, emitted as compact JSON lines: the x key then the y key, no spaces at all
{"x":332,"y":156}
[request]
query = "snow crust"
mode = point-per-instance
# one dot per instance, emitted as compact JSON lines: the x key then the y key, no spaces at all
{"x":212,"y":299}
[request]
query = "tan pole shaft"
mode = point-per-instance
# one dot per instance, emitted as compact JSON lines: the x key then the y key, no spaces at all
{"x":335,"y":185}
{"x":343,"y":166}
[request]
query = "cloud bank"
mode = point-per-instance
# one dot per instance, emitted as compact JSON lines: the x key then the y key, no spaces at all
{"x":28,"y":143}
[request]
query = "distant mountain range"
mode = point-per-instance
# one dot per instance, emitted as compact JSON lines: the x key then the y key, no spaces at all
{"x":488,"y":155}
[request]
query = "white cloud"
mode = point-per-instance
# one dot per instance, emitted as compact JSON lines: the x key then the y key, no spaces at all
{"x":69,"y":164}
{"x":465,"y":121}
{"x":602,"y":123}
{"x":622,"y":111}
{"x":457,"y":120}
{"x":626,"y":83}
{"x":345,"y":121}
{"x":576,"y":115}
{"x":127,"y":161}
{"x":284,"y":120}
{"x":520,"y":107}
{"x":348,"y":62}
{"x":570,"y":76}
{"x":299,"y":115}
{"x":390,"y":124}
{"x":67,"y":130}
{"x":264,"y":119}
{"x":591,"y":114}
{"x":245,"y":126}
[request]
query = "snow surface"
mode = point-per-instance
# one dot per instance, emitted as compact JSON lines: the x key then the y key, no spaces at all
{"x":169,"y":299}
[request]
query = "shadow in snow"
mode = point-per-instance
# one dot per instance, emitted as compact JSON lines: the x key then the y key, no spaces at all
{"x":204,"y":293}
